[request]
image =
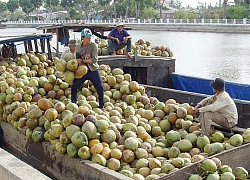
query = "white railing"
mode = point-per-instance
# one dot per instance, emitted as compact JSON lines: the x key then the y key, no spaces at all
{"x":138,"y":21}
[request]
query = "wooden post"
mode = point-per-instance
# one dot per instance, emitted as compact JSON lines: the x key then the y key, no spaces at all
{"x":25,"y":46}
{"x":42,"y":45}
{"x":57,"y":42}
{"x":36,"y":46}
{"x":30,"y":48}
{"x":49,"y":50}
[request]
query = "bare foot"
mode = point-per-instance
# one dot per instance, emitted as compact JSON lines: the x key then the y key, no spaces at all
{"x":128,"y":55}
{"x":113,"y":54}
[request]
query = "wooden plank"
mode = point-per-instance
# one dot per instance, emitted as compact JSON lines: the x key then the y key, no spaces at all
{"x":42,"y":45}
{"x":49,"y":50}
{"x":30,"y":48}
{"x":36,"y":46}
{"x":25,"y":46}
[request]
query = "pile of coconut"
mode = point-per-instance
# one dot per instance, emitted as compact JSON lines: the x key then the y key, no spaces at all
{"x":135,"y":135}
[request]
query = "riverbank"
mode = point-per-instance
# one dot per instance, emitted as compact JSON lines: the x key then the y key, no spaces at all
{"x":181,"y":27}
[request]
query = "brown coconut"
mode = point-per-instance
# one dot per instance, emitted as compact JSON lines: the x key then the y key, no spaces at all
{"x":83,"y":110}
{"x":170,"y":101}
{"x":44,"y":104}
{"x":51,"y":114}
{"x":172,"y":117}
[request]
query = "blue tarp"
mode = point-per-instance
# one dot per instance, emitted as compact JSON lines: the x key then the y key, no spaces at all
{"x":200,"y":85}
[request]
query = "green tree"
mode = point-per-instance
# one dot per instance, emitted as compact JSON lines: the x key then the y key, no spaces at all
{"x":51,"y":3}
{"x":180,"y":14}
{"x":237,"y":12}
{"x":12,"y":5}
{"x":73,"y":13}
{"x":27,"y":6}
{"x":3,"y":7}
{"x":149,"y":12}
{"x":67,"y":3}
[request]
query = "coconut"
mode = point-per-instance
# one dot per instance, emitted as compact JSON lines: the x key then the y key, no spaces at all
{"x":166,"y":168}
{"x":117,"y":71}
{"x":246,"y":135}
{"x":173,"y":152}
{"x":134,"y":86}
{"x":96,"y":148}
{"x":217,"y":136}
{"x":173,"y":136}
{"x":172,"y":117}
{"x":209,"y":165}
{"x":108,"y":136}
{"x":213,"y":148}
{"x":195,"y":177}
{"x":59,"y":107}
{"x":84,"y":152}
{"x":181,"y":112}
{"x":202,"y":141}
{"x":78,"y":119}
{"x":131,"y":143}
{"x":217,"y":161}
{"x":116,"y":153}
{"x":236,"y":140}
{"x":154,"y":163}
{"x":227,"y":175}
{"x":89,"y":129}
{"x":128,"y":156}
{"x":185,"y":145}
{"x":51,"y":114}
{"x":170,"y":101}
{"x":72,"y":150}
{"x":225,"y":168}
{"x":56,"y":130}
{"x":79,"y":139}
{"x":81,"y":71}
{"x":113,"y":164}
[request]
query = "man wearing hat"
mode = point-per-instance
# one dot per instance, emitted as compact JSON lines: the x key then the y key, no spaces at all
{"x":72,"y":49}
{"x":118,"y":38}
{"x":218,"y":108}
{"x":87,"y":53}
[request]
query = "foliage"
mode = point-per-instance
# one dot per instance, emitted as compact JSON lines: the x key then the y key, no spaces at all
{"x":237,"y":12}
{"x":73,"y":13}
{"x":27,"y":6}
{"x":51,"y":3}
{"x":17,"y":15}
{"x":12,"y":5}
{"x":146,"y":9}
{"x":149,"y":12}
{"x":3,"y":6}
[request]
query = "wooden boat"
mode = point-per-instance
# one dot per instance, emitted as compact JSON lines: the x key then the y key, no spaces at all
{"x":156,"y":74}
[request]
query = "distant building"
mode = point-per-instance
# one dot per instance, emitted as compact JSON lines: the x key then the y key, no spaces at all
{"x":50,"y":15}
{"x":167,"y":14}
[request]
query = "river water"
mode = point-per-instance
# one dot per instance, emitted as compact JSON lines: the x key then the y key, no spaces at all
{"x":198,"y":54}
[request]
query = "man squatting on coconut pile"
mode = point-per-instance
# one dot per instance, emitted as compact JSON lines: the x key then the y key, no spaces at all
{"x":219,"y":108}
{"x":87,"y":53}
{"x":118,"y":38}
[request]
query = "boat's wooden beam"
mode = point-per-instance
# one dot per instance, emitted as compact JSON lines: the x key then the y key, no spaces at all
{"x":25,"y":46}
{"x":30,"y":48}
{"x":49,"y":50}
{"x":36,"y":46}
{"x":42,"y":45}
{"x":57,"y":42}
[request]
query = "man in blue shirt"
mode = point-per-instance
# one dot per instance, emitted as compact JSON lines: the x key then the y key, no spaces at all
{"x":118,"y":38}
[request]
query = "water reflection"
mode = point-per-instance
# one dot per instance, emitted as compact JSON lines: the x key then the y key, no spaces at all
{"x":205,"y":55}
